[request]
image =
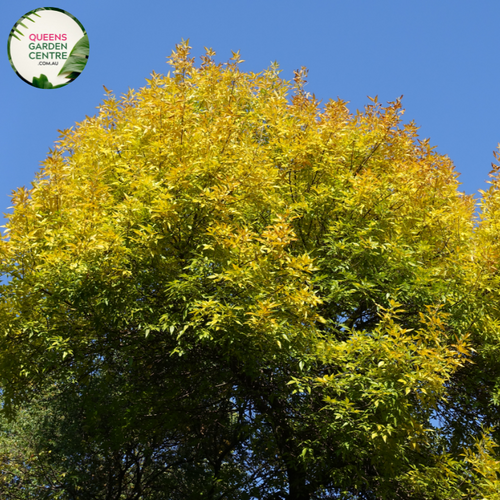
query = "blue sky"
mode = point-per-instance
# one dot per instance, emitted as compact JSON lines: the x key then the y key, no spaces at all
{"x":442,"y":55}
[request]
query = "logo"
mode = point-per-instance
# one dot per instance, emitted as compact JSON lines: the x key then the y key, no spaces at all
{"x":48,"y":48}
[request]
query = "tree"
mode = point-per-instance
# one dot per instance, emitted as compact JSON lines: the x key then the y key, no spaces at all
{"x":218,"y":288}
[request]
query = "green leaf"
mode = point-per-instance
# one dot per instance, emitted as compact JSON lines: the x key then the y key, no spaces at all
{"x":77,"y":59}
{"x":42,"y":82}
{"x":74,"y":64}
{"x":81,"y":47}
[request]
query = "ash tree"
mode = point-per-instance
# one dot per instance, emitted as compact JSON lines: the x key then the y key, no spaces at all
{"x":220,"y":288}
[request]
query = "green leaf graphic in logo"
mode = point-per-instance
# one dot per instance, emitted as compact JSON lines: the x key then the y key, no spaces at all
{"x":17,"y":30}
{"x":77,"y":59}
{"x":42,"y":82}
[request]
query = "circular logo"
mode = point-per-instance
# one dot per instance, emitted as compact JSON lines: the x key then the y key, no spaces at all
{"x":48,"y":48}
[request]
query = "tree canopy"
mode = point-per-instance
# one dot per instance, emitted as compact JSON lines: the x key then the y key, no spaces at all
{"x":219,"y":287}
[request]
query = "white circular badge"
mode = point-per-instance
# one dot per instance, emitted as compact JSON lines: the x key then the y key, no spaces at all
{"x":48,"y":48}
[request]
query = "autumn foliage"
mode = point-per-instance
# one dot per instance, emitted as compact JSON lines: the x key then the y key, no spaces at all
{"x":219,"y":287}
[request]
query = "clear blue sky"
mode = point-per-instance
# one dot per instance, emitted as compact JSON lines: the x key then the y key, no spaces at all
{"x":442,"y":55}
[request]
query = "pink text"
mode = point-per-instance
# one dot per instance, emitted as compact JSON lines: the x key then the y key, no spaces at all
{"x":47,"y":37}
